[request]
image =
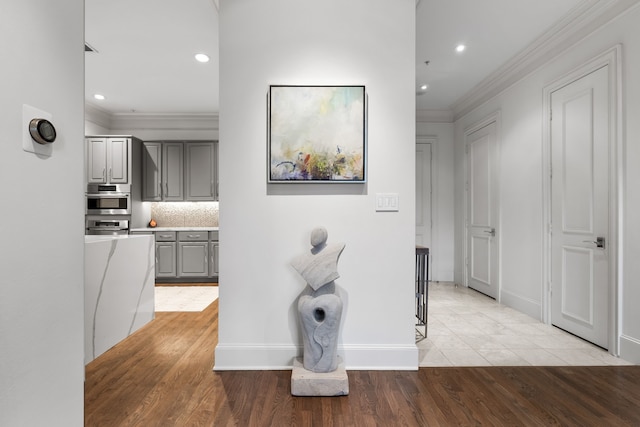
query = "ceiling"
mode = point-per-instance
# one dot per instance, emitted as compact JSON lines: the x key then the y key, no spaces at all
{"x":144,"y":58}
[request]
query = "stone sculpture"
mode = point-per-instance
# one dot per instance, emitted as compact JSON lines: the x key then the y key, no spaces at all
{"x":319,"y":307}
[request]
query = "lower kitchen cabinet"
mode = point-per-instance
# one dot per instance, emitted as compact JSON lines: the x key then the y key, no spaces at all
{"x":166,"y":254}
{"x":189,"y":256}
{"x":213,"y":258}
{"x":193,"y":259}
{"x":166,"y":259}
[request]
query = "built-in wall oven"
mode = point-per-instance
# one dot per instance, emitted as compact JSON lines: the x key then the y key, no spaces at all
{"x":107,"y":209}
{"x":104,"y":225}
{"x":110,"y":199}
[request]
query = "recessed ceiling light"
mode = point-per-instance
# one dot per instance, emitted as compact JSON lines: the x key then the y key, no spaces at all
{"x":98,"y":96}
{"x":424,"y":87}
{"x":460,"y":48}
{"x":201,"y":57}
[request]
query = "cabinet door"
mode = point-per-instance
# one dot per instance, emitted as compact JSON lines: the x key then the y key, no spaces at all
{"x":213,"y":259}
{"x":152,"y":171}
{"x":166,"y":259}
{"x":96,"y":163}
{"x":200,"y":170}
{"x":118,"y":160}
{"x":172,"y":171}
{"x":193,"y":259}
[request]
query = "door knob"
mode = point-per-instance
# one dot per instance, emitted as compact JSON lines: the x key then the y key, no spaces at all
{"x":492,"y":232}
{"x":599,"y":242}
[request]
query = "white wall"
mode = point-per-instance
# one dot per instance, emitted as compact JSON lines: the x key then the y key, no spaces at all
{"x":521,"y":183}
{"x":263,"y":227}
{"x":41,"y":267}
{"x":442,"y":252}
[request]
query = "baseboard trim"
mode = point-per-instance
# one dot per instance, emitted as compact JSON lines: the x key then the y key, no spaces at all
{"x":524,"y":305}
{"x":630,"y":349}
{"x":252,"y":357}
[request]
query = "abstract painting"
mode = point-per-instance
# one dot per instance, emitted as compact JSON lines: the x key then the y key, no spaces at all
{"x":317,"y":133}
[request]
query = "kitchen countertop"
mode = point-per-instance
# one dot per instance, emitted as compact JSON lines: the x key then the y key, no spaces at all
{"x":102,"y":238}
{"x":149,"y":229}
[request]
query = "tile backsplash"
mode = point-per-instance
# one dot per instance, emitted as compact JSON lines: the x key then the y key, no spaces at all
{"x":185,"y":214}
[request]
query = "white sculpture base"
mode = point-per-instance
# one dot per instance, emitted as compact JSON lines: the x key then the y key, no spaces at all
{"x":308,"y":383}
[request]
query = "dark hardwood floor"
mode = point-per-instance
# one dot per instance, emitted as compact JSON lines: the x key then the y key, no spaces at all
{"x":162,"y":376}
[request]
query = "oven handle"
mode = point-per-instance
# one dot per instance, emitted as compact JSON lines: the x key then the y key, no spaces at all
{"x":111,"y":195}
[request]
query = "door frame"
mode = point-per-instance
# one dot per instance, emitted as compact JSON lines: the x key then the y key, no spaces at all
{"x":433,"y":252}
{"x":497,"y":118}
{"x":613,"y":59}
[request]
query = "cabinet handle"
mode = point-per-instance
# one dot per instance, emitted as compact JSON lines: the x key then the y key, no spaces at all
{"x":193,"y":236}
{"x":104,"y":174}
{"x":160,"y":189}
{"x":211,"y":192}
{"x":166,"y":186}
{"x":110,"y":174}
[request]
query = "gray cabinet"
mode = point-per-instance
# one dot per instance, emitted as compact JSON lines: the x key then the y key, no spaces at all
{"x":108,"y":160}
{"x":177,"y":171}
{"x":163,"y":171}
{"x":166,"y":265}
{"x":193,"y":254}
{"x":201,"y":172}
{"x":172,"y":171}
{"x":214,"y":248}
{"x":213,"y":259}
{"x":190,"y":256}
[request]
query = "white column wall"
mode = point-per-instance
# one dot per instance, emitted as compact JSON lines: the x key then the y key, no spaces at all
{"x":262,"y":228}
{"x":520,"y":170}
{"x":42,"y":227}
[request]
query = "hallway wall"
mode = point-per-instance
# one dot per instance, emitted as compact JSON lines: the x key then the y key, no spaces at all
{"x":521,"y":187}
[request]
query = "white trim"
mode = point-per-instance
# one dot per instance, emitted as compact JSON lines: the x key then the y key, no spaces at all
{"x":496,"y":118}
{"x":97,"y":116}
{"x":433,"y":250}
{"x":434,"y":116}
{"x":527,"y":306}
{"x":164,"y":121}
{"x":630,"y":349}
{"x":611,"y":58}
{"x":242,"y":357}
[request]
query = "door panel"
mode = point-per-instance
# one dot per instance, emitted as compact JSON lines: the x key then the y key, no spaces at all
{"x":482,"y":244}
{"x":580,"y":207}
{"x":423,"y":195}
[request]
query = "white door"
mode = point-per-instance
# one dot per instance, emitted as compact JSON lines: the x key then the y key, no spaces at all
{"x":580,"y":207}
{"x":423,"y":194}
{"x":482,"y":214}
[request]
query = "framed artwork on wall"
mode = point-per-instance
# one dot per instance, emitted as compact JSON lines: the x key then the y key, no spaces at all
{"x":316,"y":134}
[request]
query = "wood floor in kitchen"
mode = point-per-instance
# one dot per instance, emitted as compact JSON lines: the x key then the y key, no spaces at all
{"x":162,"y":376}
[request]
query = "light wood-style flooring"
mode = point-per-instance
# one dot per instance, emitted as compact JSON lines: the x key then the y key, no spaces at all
{"x":162,"y":376}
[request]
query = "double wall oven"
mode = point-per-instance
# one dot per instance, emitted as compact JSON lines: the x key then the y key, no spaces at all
{"x":107,"y":209}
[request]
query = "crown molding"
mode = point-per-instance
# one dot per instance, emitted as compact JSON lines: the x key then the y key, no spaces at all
{"x":97,"y":116}
{"x":165,"y":121}
{"x":434,"y":116}
{"x":581,"y":21}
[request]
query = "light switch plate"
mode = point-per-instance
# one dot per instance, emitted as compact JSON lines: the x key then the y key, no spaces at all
{"x":387,"y":202}
{"x":28,"y":144}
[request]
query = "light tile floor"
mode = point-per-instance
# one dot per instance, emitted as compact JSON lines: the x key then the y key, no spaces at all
{"x":467,"y":328}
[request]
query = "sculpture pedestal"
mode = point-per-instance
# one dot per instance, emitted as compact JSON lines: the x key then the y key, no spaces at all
{"x":308,"y":383}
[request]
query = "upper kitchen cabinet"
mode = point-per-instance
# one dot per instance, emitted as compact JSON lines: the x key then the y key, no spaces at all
{"x":201,"y":171}
{"x":108,"y":160}
{"x":163,"y":171}
{"x":178,"y":171}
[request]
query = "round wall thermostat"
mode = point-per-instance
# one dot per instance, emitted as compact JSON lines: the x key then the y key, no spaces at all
{"x":42,"y":131}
